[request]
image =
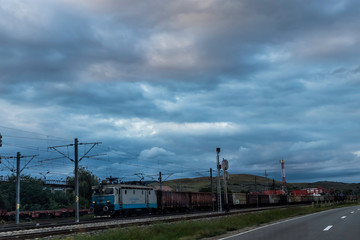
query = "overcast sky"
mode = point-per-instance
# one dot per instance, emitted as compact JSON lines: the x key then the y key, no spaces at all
{"x":163,"y":83}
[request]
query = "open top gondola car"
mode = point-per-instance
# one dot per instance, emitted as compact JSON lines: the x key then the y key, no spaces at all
{"x":116,"y":199}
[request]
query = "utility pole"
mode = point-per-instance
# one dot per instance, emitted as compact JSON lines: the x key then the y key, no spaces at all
{"x":218,"y":180}
{"x":257,"y":197}
{"x":212,"y":190}
{"x":18,"y":156}
{"x":274,"y":185}
{"x":283,"y":175}
{"x":267,"y":181}
{"x":76,"y":149}
{"x":18,"y":171}
{"x":0,"y":145}
{"x":76,"y":160}
{"x":225,"y":166}
{"x":160,"y":181}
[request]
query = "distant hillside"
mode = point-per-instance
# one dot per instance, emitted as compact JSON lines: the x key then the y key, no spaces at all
{"x":346,"y":188}
{"x":246,"y":183}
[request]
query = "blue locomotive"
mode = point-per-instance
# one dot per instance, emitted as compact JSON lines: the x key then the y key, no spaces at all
{"x":122,"y":199}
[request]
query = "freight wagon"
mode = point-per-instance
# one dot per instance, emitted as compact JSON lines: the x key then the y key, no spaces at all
{"x":257,"y":200}
{"x":63,"y":212}
{"x":172,"y":201}
{"x":182,"y":201}
{"x":237,"y":200}
{"x":277,"y":199}
{"x":201,"y":200}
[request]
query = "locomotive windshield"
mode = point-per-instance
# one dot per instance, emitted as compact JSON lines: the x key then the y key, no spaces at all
{"x":101,"y":191}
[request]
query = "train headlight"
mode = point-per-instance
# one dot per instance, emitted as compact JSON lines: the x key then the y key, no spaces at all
{"x":108,"y":201}
{"x":93,"y":202}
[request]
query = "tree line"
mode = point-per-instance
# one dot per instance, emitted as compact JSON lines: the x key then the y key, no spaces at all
{"x":34,"y":195}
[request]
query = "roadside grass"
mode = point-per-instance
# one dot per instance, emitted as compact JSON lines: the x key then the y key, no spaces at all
{"x":198,"y":229}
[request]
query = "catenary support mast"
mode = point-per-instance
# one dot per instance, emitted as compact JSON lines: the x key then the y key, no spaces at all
{"x":283,"y":175}
{"x":76,"y":160}
{"x":218,"y":180}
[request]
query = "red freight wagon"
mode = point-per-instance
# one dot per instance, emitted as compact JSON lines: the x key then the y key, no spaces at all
{"x":251,"y":200}
{"x":172,"y":201}
{"x":264,"y":200}
{"x":272,"y":192}
{"x":202,"y":200}
{"x":260,"y":199}
{"x":299,"y":192}
{"x":63,"y":212}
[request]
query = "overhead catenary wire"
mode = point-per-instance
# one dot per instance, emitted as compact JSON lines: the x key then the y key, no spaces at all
{"x":33,"y":138}
{"x":41,"y":134}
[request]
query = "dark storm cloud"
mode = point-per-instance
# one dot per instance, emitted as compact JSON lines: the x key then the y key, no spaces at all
{"x":163,"y":84}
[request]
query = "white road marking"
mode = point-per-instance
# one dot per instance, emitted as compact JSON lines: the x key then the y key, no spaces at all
{"x":343,"y":217}
{"x":266,"y":226}
{"x":328,"y":228}
{"x":352,"y":212}
{"x":272,"y":224}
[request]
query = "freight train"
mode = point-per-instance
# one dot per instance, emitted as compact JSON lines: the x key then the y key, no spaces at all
{"x":123,"y":199}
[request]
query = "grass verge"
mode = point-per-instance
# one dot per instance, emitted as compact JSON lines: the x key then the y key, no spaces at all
{"x":199,"y":229}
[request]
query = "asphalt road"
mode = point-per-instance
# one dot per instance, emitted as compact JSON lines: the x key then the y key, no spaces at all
{"x":335,"y":224}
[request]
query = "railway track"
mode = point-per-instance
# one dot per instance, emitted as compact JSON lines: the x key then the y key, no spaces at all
{"x":52,"y":229}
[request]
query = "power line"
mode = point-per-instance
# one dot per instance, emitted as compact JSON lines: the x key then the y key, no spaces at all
{"x":33,"y":138}
{"x":16,"y":129}
{"x":170,"y":165}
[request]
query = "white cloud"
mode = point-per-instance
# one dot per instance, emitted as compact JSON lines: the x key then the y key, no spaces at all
{"x":170,"y":50}
{"x":154,"y":153}
{"x":243,"y":149}
{"x":146,"y":128}
{"x":357,"y":153}
{"x":308,"y":145}
{"x":274,"y":55}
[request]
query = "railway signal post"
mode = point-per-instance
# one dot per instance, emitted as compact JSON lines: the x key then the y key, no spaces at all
{"x":225,"y":166}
